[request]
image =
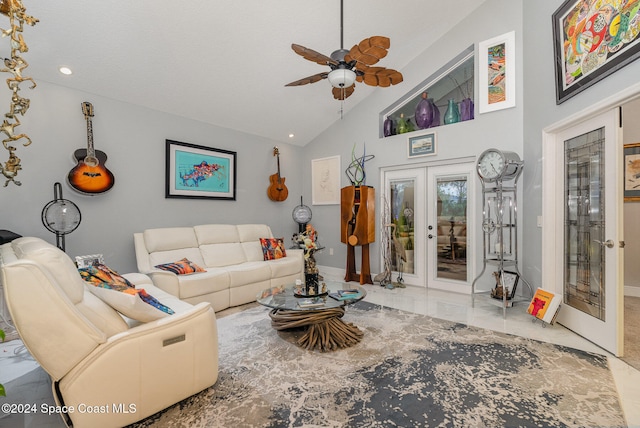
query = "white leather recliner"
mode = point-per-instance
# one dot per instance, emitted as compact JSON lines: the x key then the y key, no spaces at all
{"x":106,"y":370}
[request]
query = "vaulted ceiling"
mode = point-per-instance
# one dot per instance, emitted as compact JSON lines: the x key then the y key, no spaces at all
{"x":225,"y":62}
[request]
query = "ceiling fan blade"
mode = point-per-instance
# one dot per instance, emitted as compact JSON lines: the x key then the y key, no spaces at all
{"x":380,"y":76}
{"x":309,"y":79}
{"x":343,"y":93}
{"x":369,"y":51}
{"x":312,"y":55}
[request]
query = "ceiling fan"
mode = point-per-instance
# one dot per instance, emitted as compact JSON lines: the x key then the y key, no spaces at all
{"x":349,"y":66}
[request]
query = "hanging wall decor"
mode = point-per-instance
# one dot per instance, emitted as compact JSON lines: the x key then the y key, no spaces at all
{"x":422,"y":145}
{"x":496,"y":73}
{"x":325,"y":181}
{"x":15,"y":65}
{"x":194,"y":171}
{"x":593,"y":39}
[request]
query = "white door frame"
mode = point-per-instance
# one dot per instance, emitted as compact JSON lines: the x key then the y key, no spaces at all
{"x":467,"y":170}
{"x":418,"y":175}
{"x":549,"y":180}
{"x":471,"y":265}
{"x":550,"y":202}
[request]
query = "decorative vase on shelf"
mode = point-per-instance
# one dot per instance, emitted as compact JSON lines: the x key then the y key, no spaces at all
{"x":466,"y":109}
{"x":402,"y":125}
{"x":452,"y":115}
{"x":426,"y":112}
{"x":388,"y":127}
{"x":436,"y":115}
{"x":410,"y":127}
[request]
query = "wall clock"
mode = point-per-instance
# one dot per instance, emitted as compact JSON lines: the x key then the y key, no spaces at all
{"x":494,"y":164}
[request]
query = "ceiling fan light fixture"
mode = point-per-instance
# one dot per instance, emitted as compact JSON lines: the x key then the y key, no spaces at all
{"x":341,"y":78}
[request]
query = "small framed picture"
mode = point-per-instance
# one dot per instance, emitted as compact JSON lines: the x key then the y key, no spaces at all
{"x":509,"y":286}
{"x":422,"y":145}
{"x":496,"y":73}
{"x":632,"y":172}
{"x":90,"y":260}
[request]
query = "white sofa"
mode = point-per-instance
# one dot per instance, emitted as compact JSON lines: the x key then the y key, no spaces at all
{"x":231,"y":254}
{"x":106,"y":372}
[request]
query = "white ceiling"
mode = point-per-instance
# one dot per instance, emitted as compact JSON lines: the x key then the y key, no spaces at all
{"x":225,"y":62}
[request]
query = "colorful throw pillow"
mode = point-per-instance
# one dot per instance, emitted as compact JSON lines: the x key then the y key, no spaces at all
{"x":181,"y":267}
{"x":273,"y":248}
{"x":121,"y":295}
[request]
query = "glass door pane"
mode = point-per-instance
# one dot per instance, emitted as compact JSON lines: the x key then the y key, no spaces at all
{"x":452,"y":228}
{"x":584,"y":223}
{"x":583,"y":249}
{"x":450,"y":223}
{"x":402,"y":216}
{"x":403,"y":210}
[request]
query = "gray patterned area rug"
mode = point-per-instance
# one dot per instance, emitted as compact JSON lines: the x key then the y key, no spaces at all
{"x":409,"y":371}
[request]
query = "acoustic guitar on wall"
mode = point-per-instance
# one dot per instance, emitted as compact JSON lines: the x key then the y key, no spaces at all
{"x":277,"y":190}
{"x":90,"y":176}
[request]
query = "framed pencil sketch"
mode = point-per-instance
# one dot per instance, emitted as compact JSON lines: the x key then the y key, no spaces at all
{"x":497,"y":73}
{"x":194,"y":171}
{"x":632,"y":172}
{"x":325,"y":181}
{"x":592,"y":40}
{"x":421,"y":145}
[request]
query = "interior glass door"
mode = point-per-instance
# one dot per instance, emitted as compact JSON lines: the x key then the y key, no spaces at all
{"x":591,"y":265}
{"x":450,"y":191}
{"x":404,"y":203}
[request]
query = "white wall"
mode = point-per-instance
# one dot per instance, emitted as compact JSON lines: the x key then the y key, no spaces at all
{"x":502,"y":129}
{"x":134,"y":137}
{"x":540,"y":111}
{"x":134,"y":140}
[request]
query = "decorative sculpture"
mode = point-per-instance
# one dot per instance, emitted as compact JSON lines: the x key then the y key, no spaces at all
{"x":16,"y":12}
{"x":384,"y":277}
{"x":355,"y":171}
{"x":357,"y":215}
{"x":357,"y":228}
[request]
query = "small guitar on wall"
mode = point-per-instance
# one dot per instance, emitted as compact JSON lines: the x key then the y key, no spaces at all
{"x":277,"y":191}
{"x":90,"y":176}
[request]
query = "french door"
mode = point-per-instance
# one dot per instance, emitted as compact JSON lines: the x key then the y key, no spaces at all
{"x":587,"y":230}
{"x":450,"y":227}
{"x":428,"y":208}
{"x":404,"y":214}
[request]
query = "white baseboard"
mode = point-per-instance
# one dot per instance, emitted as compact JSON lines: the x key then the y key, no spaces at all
{"x":630,"y":290}
{"x":337,"y":274}
{"x":331,"y":272}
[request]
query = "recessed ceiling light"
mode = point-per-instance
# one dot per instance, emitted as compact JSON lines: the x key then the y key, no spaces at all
{"x":291,"y":135}
{"x":65,"y":70}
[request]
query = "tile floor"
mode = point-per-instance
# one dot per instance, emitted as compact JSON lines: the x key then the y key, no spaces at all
{"x":440,"y":304}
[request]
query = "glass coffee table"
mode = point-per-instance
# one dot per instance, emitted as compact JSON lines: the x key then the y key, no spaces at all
{"x":320,"y":316}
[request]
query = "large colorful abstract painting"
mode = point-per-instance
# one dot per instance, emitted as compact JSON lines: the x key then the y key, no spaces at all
{"x":593,"y":39}
{"x":199,"y":172}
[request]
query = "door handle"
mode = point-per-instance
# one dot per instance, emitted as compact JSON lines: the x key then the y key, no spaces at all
{"x":608,"y":243}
